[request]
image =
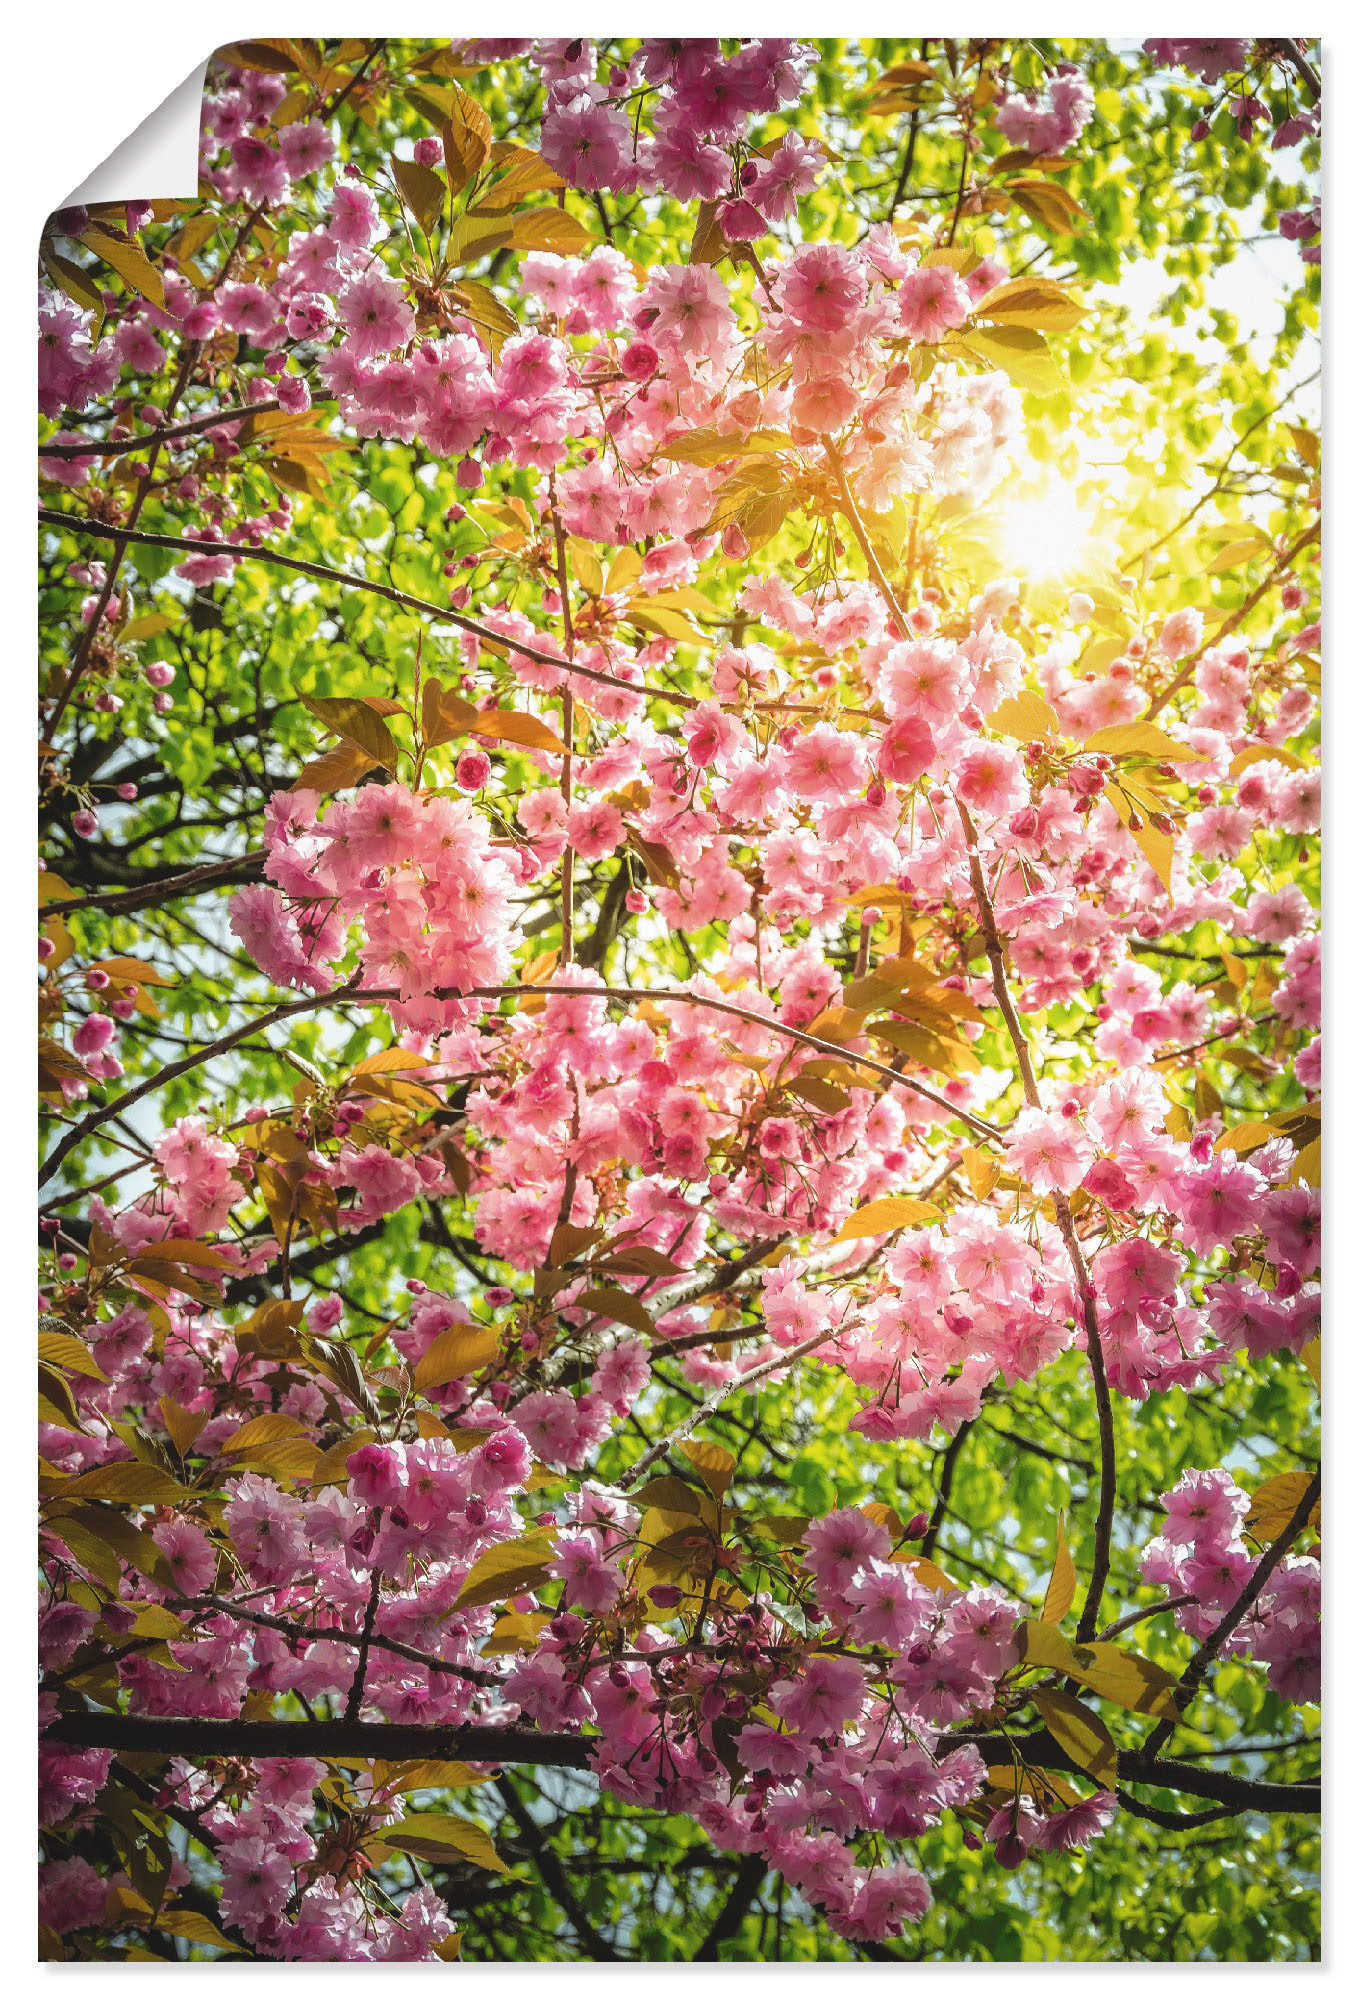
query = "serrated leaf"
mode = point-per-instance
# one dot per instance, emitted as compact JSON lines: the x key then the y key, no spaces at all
{"x":1025,"y":716}
{"x":525,"y":172}
{"x":1061,"y":1590}
{"x":457,"y":1351}
{"x":474,"y":236}
{"x":466,"y":132}
{"x":1032,"y":302}
{"x":614,"y":1303}
{"x":708,"y":447}
{"x":507,"y":1570}
{"x":272,"y":1427}
{"x":441,"y":1836}
{"x":128,"y":260}
{"x":1048,"y":203}
{"x":1080,"y":1732}
{"x":879,"y":1218}
{"x":1042,"y":1644}
{"x":1127,"y":1678}
{"x":194,"y":1926}
{"x":708,"y":245}
{"x":63,"y":1350}
{"x":550,"y":229}
{"x":128,"y":1485}
{"x":1158,"y":848}
{"x":713,"y":1464}
{"x":512,"y":725}
{"x":358,"y":724}
{"x":1274,"y":1503}
{"x":423,"y":191}
{"x":983,"y":1170}
{"x":78,"y":285}
{"x":1022,"y":354}
{"x":1143,"y":739}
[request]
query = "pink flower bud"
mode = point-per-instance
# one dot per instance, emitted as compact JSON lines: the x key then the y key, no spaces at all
{"x":640,"y":361}
{"x":93,"y":1035}
{"x":472,"y":771}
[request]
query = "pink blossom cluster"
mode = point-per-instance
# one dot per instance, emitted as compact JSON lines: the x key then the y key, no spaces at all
{"x":1051,"y":122}
{"x":1201,"y":1553}
{"x":698,"y":103}
{"x":419,"y":874}
{"x":865,"y":1712}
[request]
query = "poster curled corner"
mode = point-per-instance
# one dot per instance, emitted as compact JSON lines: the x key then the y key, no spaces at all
{"x":159,"y":160}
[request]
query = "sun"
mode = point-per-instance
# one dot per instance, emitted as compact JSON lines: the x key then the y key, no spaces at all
{"x":1045,"y":534}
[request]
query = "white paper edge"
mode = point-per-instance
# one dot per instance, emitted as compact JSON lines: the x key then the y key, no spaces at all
{"x":159,"y":161}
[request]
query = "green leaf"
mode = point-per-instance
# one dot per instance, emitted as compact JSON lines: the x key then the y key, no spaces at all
{"x":1048,"y":203}
{"x":1022,"y":353}
{"x":525,"y":172}
{"x":614,"y":1303}
{"x":551,"y":229}
{"x":457,"y":1351}
{"x":1143,"y":739}
{"x":1032,"y":302}
{"x":194,"y":1926}
{"x":1043,"y":1645}
{"x":1025,"y":716}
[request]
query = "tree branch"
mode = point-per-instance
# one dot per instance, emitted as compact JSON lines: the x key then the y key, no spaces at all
{"x":550,"y":1868}
{"x":356,"y":996}
{"x":1192,"y":1678}
{"x":732,"y":1914}
{"x":77,"y":525}
{"x":174,"y":1736}
{"x":122,"y":446}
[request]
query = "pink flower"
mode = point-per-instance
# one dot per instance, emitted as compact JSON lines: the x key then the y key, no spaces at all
{"x":841,"y":1543}
{"x":1051,"y":1153}
{"x":826,"y":1696}
{"x":594,"y":828}
{"x":589,"y":1581}
{"x":826,"y":765}
{"x":305,"y":147}
{"x":931,"y":303}
{"x":1181,"y":634}
{"x":907,"y":751}
{"x":822,"y":286}
{"x":1204,"y":1508}
{"x":989,"y":777}
{"x":375,"y":313}
{"x":1077,"y":1826}
{"x":377,"y":1475}
{"x":353,"y":216}
{"x":589,"y":145}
